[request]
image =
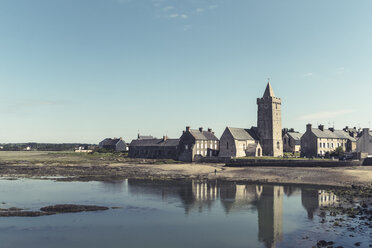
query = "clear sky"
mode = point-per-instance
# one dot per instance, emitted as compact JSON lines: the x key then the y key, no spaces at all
{"x":83,"y":70}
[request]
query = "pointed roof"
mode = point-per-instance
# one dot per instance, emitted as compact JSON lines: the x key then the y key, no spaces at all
{"x":269,"y":91}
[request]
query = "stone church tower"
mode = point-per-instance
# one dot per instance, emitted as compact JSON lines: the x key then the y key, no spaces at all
{"x":269,"y":123}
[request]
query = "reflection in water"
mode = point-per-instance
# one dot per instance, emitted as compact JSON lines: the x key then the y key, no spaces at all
{"x":267,"y":200}
{"x":270,"y":215}
{"x":312,"y":199}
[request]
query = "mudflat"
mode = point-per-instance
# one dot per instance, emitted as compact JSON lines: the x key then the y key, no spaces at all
{"x":110,"y":166}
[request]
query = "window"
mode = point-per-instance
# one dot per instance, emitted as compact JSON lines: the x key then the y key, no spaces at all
{"x":278,"y":145}
{"x":320,"y":145}
{"x":285,"y":141}
{"x":227,"y":145}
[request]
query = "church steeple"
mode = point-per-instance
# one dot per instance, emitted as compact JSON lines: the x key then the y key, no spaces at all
{"x":269,"y":91}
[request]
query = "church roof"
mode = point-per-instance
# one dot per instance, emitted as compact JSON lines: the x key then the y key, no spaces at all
{"x":242,"y":133}
{"x":269,"y":91}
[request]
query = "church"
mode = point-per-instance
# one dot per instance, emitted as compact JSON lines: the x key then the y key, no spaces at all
{"x":263,"y":140}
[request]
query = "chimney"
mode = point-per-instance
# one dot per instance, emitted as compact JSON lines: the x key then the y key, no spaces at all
{"x":200,"y":129}
{"x":210,"y":130}
{"x":187,"y":128}
{"x":308,"y":127}
{"x":365,"y":130}
{"x":165,"y":138}
{"x":321,"y":127}
{"x":332,"y":129}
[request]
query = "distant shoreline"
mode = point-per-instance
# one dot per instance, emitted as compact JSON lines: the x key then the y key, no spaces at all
{"x":105,"y":167}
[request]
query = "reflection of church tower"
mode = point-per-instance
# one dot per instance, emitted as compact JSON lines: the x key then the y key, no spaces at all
{"x":270,"y":215}
{"x":269,"y":123}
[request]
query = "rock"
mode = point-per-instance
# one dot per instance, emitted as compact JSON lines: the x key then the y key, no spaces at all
{"x":321,"y":243}
{"x":358,"y":243}
{"x":71,"y":208}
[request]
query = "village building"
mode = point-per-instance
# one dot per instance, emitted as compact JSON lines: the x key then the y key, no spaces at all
{"x":115,"y":144}
{"x":269,"y":123}
{"x":195,"y":144}
{"x":318,"y":142}
{"x":291,"y":140}
{"x":239,"y":142}
{"x":164,"y":148}
{"x":364,"y":143}
{"x":353,"y":131}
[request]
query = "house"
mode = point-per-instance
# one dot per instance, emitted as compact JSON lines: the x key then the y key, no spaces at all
{"x":239,"y":142}
{"x":164,"y":148}
{"x":318,"y":142}
{"x":353,"y":131}
{"x":364,"y":143}
{"x":197,"y":143}
{"x":269,"y":123}
{"x":113,"y":144}
{"x":291,"y":140}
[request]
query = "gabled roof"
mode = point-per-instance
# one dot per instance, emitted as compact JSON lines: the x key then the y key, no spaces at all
{"x":240,"y":133}
{"x":203,"y":135}
{"x":295,"y":135}
{"x":269,"y":91}
{"x":328,"y":134}
{"x":110,"y":142}
{"x":155,"y":142}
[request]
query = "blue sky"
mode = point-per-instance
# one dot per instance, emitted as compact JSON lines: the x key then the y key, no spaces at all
{"x":82,"y":70}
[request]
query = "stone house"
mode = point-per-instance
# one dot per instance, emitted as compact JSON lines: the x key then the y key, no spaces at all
{"x":318,"y":142}
{"x":164,"y":148}
{"x":113,"y":144}
{"x":239,"y":142}
{"x":197,"y":143}
{"x":291,"y":140}
{"x":364,"y":143}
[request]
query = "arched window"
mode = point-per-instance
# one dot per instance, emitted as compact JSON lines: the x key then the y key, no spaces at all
{"x":227,"y":145}
{"x":278,"y":145}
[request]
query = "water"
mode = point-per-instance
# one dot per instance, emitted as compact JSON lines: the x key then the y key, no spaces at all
{"x":168,"y":214}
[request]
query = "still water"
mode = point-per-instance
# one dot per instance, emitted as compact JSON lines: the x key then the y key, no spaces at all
{"x":168,"y":214}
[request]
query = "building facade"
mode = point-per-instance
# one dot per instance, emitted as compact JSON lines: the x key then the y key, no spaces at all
{"x":113,"y":144}
{"x":318,"y":142}
{"x":364,"y":143}
{"x":291,"y":140}
{"x":153,"y":148}
{"x":269,"y":123}
{"x":239,"y":142}
{"x":197,"y":143}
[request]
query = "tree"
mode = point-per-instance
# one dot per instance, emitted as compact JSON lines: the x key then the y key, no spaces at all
{"x":338,"y":152}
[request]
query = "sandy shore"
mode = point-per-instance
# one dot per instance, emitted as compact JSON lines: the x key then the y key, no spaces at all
{"x":103,"y":168}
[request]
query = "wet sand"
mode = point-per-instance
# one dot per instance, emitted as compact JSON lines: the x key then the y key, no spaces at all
{"x":103,"y":167}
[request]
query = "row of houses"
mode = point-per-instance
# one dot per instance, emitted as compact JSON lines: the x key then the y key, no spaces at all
{"x":266,"y":139}
{"x":239,"y":142}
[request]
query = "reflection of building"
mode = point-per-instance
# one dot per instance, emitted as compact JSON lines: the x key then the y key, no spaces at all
{"x":205,"y":193}
{"x":312,"y":199}
{"x":270,"y":215}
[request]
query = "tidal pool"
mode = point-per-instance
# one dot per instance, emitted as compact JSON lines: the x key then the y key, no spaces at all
{"x":155,"y":213}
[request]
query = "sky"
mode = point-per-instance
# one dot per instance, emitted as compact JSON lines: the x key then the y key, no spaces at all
{"x":83,"y":70}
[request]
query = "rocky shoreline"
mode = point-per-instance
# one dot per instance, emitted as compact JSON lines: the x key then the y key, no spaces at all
{"x":50,"y":210}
